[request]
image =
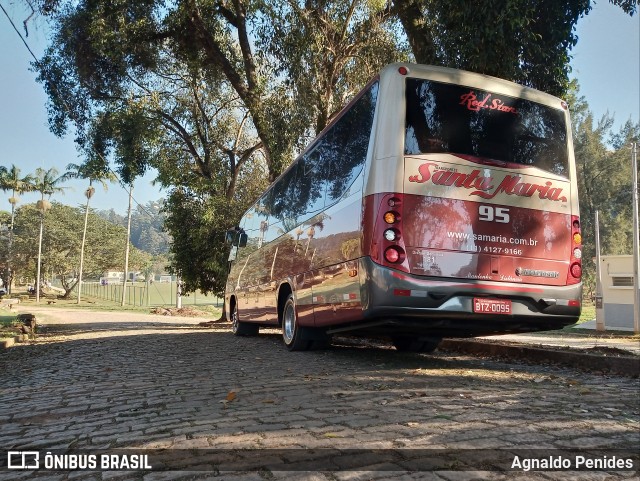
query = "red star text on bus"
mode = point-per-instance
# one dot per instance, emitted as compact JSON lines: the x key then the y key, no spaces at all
{"x":485,"y":186}
{"x":471,"y":101}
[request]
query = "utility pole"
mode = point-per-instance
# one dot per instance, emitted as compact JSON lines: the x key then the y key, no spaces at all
{"x":636,"y":235}
{"x":126,"y":252}
{"x":599,"y":300}
{"x":39,"y":257}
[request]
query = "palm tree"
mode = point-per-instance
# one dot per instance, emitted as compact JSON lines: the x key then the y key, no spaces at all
{"x":10,"y":180}
{"x":95,"y":173}
{"x":46,"y":182}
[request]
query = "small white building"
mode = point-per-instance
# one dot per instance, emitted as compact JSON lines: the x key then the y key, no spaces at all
{"x":113,"y":275}
{"x":617,"y":291}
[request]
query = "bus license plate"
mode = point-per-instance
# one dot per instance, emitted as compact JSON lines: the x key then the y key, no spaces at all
{"x":491,"y":306}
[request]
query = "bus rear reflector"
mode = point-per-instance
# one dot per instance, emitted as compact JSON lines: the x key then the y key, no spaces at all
{"x":402,"y":292}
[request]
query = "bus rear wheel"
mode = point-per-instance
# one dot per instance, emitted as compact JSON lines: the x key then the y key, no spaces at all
{"x":408,"y":344}
{"x":293,"y":335}
{"x":241,"y":328}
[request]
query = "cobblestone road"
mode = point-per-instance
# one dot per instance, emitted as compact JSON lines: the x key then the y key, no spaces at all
{"x":167,"y":384}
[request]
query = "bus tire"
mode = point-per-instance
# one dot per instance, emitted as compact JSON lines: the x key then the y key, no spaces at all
{"x":293,"y":335}
{"x":241,"y":328}
{"x":408,"y":344}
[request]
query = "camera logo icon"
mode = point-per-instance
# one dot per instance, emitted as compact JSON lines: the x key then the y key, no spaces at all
{"x":23,"y":460}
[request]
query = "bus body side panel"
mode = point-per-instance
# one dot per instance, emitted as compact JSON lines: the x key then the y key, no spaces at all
{"x":336,"y":246}
{"x":303,"y":293}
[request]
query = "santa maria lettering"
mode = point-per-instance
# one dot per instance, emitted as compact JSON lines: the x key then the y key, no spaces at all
{"x":487,"y":187}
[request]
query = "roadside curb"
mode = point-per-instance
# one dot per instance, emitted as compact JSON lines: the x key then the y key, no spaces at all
{"x":8,"y":342}
{"x":628,"y":366}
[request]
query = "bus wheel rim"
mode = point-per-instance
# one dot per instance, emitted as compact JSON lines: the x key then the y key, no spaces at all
{"x":289,"y":323}
{"x":234,"y":319}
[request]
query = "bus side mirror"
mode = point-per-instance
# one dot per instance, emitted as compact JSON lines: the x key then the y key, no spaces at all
{"x":230,"y":236}
{"x":242,"y":241}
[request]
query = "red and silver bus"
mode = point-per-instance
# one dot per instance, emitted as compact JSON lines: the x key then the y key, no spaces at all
{"x":438,"y":203}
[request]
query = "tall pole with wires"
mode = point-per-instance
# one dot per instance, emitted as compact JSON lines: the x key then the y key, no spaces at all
{"x":636,"y":241}
{"x":126,"y":251}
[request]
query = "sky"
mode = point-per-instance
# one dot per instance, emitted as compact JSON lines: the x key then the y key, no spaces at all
{"x":606,"y":62}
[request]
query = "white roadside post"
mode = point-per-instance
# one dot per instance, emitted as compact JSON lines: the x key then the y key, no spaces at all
{"x":178,"y":293}
{"x":599,"y":300}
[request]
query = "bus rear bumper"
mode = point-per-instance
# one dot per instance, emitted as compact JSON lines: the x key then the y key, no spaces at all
{"x":397,"y":301}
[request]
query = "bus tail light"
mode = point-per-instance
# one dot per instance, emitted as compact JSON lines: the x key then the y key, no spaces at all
{"x":387,"y":243}
{"x":391,"y":217}
{"x":394,"y":255}
{"x":391,"y":235}
{"x":575,"y":270}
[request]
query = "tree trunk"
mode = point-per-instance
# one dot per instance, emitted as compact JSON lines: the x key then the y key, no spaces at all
{"x":418,"y":30}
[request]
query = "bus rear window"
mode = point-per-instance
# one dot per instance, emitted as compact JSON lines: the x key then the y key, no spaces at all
{"x":446,"y":118}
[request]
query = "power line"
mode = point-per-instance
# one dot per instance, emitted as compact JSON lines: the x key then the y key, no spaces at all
{"x":122,"y":184}
{"x":18,"y":32}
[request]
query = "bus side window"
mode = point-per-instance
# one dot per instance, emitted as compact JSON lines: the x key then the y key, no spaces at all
{"x":349,"y":142}
{"x":283,"y":213}
{"x":249,"y":224}
{"x":311,"y":185}
{"x":263,"y":210}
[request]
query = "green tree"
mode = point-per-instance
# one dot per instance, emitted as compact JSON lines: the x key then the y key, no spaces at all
{"x":525,"y":41}
{"x":147,"y":229}
{"x":328,"y":50}
{"x":46,"y":183}
{"x":11,"y":179}
{"x":95,"y":171}
{"x":61,"y":244}
{"x":603,"y":161}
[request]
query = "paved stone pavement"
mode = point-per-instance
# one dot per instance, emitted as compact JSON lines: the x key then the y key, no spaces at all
{"x":573,"y":341}
{"x":102,"y":382}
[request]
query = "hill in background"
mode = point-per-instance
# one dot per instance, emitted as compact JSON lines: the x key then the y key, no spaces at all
{"x":147,"y":231}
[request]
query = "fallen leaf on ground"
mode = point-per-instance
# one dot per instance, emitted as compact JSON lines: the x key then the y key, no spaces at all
{"x":231,"y":395}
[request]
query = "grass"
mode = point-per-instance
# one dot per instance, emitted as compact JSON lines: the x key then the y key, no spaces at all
{"x":588,"y":313}
{"x":109,"y":305}
{"x":8,"y":325}
{"x":159,"y":294}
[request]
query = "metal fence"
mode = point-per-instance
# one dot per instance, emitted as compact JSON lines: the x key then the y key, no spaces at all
{"x":150,"y":295}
